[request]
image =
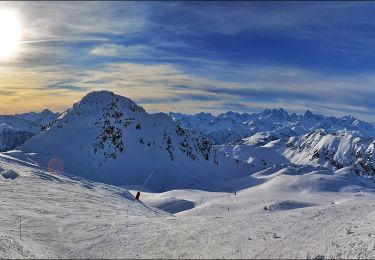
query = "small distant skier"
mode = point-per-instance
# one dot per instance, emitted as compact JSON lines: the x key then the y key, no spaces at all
{"x":144,"y":184}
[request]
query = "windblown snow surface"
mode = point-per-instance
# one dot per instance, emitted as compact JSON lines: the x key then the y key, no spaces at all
{"x":303,"y":196}
{"x":310,"y":213}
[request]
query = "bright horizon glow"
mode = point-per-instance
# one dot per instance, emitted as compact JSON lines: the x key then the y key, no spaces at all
{"x":10,"y":33}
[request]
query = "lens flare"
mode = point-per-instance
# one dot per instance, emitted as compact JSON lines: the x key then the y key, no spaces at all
{"x":56,"y":164}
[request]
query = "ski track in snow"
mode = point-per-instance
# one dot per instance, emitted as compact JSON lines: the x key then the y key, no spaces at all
{"x":64,"y":217}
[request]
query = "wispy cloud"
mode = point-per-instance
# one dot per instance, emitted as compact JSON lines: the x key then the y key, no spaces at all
{"x":108,"y":49}
{"x":78,"y":20}
{"x":154,"y":86}
{"x":189,"y":56}
{"x":66,"y":85}
{"x":163,"y":87}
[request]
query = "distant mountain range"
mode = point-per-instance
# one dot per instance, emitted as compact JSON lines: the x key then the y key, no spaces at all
{"x":271,"y":124}
{"x":16,"y":129}
{"x":307,"y":139}
{"x":109,"y":138}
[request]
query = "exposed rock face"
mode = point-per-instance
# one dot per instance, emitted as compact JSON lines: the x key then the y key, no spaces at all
{"x":110,"y":138}
{"x":11,"y":138}
{"x":335,"y":151}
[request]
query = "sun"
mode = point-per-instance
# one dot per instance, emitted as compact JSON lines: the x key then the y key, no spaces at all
{"x":10,"y":33}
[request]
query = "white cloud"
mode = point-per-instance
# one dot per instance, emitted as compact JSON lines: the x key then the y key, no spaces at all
{"x":76,"y":20}
{"x":257,"y":87}
{"x":109,"y":49}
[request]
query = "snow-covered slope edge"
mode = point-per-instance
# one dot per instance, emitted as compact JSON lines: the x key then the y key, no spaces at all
{"x":62,"y":216}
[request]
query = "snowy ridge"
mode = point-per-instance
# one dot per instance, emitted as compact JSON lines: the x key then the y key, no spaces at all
{"x":30,"y":122}
{"x":308,"y":139}
{"x":109,"y":138}
{"x":271,"y":124}
{"x":16,"y":129}
{"x":11,"y":138}
{"x":258,"y":158}
{"x":334,"y":151}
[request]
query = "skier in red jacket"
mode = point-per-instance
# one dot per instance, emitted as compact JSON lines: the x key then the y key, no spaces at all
{"x":137,"y":196}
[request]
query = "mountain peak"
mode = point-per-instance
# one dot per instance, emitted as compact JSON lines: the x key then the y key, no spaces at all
{"x":99,"y":97}
{"x":47,"y":112}
{"x":99,"y":93}
{"x":308,"y":113}
{"x":204,"y":114}
{"x":109,"y":138}
{"x":278,"y":113}
{"x":104,"y":99}
{"x":104,"y":95}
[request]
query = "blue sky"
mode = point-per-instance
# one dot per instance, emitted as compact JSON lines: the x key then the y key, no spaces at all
{"x":195,"y":56}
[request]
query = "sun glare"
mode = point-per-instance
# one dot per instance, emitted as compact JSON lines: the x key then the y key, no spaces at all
{"x":10,"y":33}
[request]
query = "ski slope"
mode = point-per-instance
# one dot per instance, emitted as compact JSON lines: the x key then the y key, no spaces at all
{"x":310,"y":213}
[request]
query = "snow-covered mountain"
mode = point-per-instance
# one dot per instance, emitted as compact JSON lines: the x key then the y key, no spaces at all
{"x":16,"y":129}
{"x":271,"y":124}
{"x":222,"y":129}
{"x":11,"y":138}
{"x":335,"y":151}
{"x":258,"y":158}
{"x":109,"y":138}
{"x":31,"y":122}
{"x":308,"y":139}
